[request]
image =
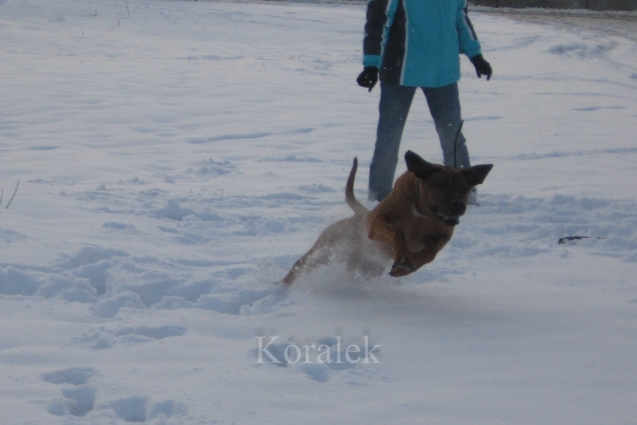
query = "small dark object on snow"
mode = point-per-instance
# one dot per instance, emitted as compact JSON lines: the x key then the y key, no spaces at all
{"x":12,"y":196}
{"x":574,"y":238}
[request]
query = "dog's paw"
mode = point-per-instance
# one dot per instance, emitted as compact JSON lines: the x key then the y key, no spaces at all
{"x":402,"y":269}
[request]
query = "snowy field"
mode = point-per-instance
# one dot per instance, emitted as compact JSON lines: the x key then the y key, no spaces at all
{"x":176,"y":157}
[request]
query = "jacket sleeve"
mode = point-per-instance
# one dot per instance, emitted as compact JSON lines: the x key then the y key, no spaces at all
{"x":379,"y":20}
{"x":469,"y":44}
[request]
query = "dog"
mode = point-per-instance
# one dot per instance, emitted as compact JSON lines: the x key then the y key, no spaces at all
{"x":410,"y":226}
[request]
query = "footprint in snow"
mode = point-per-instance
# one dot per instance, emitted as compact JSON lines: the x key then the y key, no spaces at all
{"x":102,"y":339}
{"x":73,"y":376}
{"x":78,"y":398}
{"x":142,"y":409}
{"x":145,"y":333}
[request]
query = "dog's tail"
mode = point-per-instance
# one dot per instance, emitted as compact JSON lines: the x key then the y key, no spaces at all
{"x":349,"y":191}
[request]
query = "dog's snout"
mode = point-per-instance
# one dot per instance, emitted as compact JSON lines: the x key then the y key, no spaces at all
{"x":458,"y":206}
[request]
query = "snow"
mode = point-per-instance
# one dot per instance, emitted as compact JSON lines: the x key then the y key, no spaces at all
{"x":175,"y":158}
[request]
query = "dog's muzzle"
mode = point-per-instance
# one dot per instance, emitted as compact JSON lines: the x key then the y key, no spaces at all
{"x":450,"y":215}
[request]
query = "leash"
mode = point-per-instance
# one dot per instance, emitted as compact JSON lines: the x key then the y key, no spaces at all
{"x":455,"y":146}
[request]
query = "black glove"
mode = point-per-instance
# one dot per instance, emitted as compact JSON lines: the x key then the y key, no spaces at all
{"x":368,"y":78}
{"x":482,"y":66}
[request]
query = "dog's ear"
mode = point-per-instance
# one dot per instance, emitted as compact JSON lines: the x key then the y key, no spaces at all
{"x":421,"y":168}
{"x":475,"y":175}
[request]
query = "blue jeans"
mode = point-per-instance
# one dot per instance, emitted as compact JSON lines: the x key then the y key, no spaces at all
{"x":395,"y":101}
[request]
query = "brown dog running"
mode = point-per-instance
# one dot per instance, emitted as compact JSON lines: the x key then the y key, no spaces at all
{"x":411,"y":225}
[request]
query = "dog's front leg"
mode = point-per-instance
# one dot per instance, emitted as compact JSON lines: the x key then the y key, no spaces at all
{"x":418,"y":259}
{"x":385,"y":231}
{"x":426,"y":255}
{"x":403,"y":262}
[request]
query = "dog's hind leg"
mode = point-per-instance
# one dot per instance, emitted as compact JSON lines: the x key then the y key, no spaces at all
{"x":316,"y":257}
{"x":329,"y":247}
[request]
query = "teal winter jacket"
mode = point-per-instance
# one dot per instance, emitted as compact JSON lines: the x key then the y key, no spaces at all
{"x":418,"y":42}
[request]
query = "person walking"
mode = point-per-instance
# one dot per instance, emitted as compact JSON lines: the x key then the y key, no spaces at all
{"x":414,"y":44}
